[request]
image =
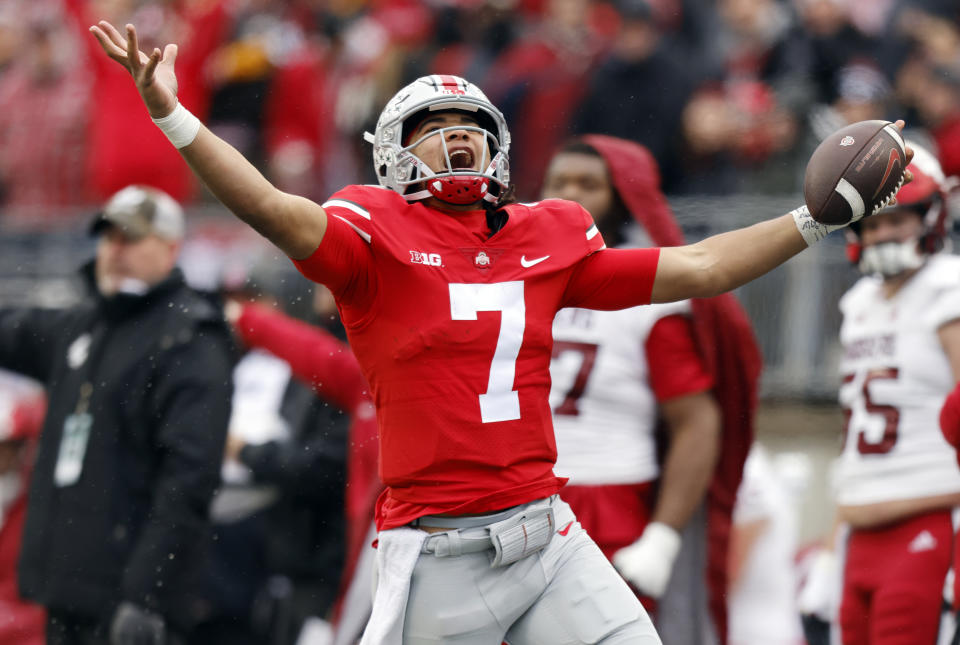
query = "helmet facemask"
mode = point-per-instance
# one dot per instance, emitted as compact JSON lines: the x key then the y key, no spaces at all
{"x":891,"y":259}
{"x":453,"y":183}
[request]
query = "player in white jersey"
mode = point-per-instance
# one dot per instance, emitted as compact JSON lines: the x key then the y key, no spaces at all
{"x":897,"y":478}
{"x":763,"y":585}
{"x":619,"y":378}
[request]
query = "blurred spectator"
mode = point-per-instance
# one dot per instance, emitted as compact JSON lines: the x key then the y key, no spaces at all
{"x":862,"y":94}
{"x":937,"y":102}
{"x":762,"y":545}
{"x":664,"y":525}
{"x":22,"y":406}
{"x":44,"y":112}
{"x":138,"y":379}
{"x":11,"y":34}
{"x":318,"y":357}
{"x":117,"y":123}
{"x":639,"y":91}
{"x":278,"y":517}
{"x":929,"y":80}
{"x":741,"y":127}
{"x":262,"y":37}
{"x":469,"y":37}
{"x":299,"y":122}
{"x":831,"y":42}
{"x":935,"y":38}
{"x":323,"y":92}
{"x":539,"y":81}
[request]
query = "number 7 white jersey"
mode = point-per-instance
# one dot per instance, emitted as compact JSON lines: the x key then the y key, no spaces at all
{"x":894,"y":378}
{"x":605,"y":412}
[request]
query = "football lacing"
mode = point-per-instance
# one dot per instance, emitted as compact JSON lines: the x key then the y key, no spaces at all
{"x":889,"y":198}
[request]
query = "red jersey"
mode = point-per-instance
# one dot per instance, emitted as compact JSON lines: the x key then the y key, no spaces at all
{"x":453,"y":332}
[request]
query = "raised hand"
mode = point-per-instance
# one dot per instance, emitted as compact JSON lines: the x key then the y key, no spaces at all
{"x":153,"y":74}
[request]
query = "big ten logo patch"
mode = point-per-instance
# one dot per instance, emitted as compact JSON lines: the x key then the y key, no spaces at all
{"x":429,"y":259}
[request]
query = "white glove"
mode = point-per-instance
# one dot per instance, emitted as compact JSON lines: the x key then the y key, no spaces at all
{"x":647,"y":563}
{"x":820,"y":595}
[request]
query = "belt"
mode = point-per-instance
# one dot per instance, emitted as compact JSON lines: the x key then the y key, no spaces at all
{"x":468,"y":533}
{"x":457,"y":542}
{"x":463,"y":521}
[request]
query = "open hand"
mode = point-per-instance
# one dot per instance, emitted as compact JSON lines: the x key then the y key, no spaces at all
{"x":153,"y":74}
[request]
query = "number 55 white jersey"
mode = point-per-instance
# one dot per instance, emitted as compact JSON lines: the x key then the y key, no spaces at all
{"x":895,"y":376}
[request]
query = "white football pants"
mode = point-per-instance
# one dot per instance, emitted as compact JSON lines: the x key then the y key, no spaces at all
{"x":565,"y":594}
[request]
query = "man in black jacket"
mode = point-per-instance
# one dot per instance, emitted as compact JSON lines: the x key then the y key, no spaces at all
{"x":138,"y":378}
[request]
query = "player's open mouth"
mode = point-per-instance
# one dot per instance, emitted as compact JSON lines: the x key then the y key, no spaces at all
{"x":461,"y":159}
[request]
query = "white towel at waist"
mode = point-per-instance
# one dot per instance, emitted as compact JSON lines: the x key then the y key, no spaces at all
{"x":397,"y":553}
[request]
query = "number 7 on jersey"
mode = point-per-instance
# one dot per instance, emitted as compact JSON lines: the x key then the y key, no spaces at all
{"x":500,"y":402}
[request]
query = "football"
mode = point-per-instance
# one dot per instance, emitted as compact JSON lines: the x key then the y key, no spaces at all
{"x":854,"y":172}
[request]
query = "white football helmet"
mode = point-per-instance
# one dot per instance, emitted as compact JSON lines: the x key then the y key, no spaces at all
{"x":398,"y":168}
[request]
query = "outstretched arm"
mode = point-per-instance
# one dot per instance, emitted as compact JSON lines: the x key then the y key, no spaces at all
{"x":294,"y":224}
{"x":724,"y":262}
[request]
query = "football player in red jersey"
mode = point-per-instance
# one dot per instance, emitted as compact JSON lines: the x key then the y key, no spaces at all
{"x":448,"y":294}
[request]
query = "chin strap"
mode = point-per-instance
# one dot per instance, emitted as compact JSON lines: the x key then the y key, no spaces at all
{"x":454,"y":188}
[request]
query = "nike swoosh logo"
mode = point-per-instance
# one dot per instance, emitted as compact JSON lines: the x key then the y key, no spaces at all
{"x":526,"y":264}
{"x":565,"y":529}
{"x":894,"y":160}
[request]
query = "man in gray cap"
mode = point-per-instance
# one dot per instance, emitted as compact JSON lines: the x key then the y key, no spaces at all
{"x":139,"y":385}
{"x":140,"y":232}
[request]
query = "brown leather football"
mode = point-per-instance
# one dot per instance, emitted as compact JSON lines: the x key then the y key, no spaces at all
{"x":854,"y":172}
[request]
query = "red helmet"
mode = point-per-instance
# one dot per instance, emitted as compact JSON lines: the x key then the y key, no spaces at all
{"x":926,"y":194}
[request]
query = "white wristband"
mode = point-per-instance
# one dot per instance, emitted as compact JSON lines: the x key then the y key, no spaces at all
{"x":180,"y":126}
{"x":811,"y":230}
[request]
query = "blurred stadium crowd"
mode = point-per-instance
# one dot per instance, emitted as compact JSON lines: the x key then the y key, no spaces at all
{"x":729,"y":95}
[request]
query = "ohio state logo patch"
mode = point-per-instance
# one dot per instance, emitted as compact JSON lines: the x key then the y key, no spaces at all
{"x":481,"y":259}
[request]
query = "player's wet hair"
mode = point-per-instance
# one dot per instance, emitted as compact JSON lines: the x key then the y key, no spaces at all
{"x":496,"y":213}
